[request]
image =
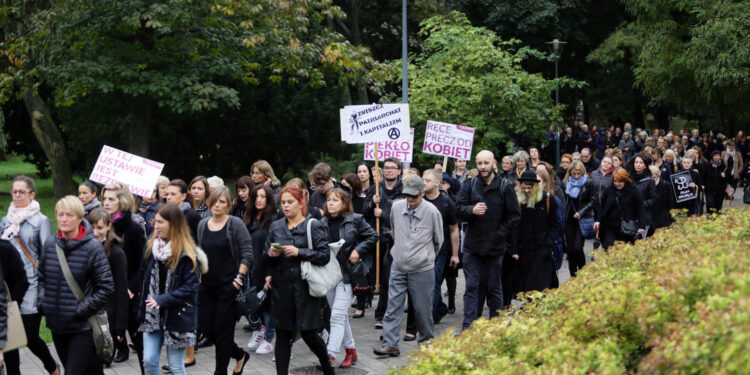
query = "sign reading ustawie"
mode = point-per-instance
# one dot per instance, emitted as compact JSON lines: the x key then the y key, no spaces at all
{"x":138,"y":173}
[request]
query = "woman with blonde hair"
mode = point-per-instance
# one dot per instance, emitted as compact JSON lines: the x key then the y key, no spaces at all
{"x":580,"y":205}
{"x":168,"y":299}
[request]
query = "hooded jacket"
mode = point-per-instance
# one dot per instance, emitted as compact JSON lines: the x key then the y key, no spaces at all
{"x":89,"y":265}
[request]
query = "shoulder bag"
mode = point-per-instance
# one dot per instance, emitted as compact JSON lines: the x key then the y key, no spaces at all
{"x":16,"y":331}
{"x":586,"y":224}
{"x":99,"y":322}
{"x":628,"y":228}
{"x":321,"y":279}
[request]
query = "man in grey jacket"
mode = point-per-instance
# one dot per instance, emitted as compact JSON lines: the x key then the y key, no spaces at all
{"x":417,"y":234}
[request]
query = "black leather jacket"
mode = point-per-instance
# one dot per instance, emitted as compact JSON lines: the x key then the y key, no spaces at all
{"x":358,"y":235}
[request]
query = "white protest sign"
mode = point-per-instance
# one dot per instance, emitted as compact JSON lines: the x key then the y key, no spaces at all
{"x":402,"y":149}
{"x":453,"y":141}
{"x":374,"y":122}
{"x":139,"y":174}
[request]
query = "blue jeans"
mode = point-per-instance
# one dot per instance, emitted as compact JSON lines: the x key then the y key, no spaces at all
{"x":152,"y":342}
{"x":439,"y":308}
{"x":256,"y":324}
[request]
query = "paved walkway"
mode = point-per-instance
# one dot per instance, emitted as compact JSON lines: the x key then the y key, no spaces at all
{"x":365,"y":335}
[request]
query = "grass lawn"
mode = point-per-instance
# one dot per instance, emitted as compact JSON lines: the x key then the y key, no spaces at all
{"x":15,"y":167}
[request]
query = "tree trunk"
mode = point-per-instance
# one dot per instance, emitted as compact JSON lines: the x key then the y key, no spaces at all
{"x":139,"y":126}
{"x":50,"y":139}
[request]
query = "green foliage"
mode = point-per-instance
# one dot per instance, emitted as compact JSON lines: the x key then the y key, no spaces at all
{"x":678,"y":302}
{"x":469,"y":76}
{"x":692,"y":53}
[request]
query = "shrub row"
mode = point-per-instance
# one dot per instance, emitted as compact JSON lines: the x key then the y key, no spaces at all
{"x":678,"y":302}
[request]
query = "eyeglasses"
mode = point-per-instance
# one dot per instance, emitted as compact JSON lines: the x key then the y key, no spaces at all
{"x":390,"y":168}
{"x":19,"y":192}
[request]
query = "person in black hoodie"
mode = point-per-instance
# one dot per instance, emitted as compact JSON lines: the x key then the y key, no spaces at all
{"x":641,"y":176}
{"x":490,"y":207}
{"x":620,"y":202}
{"x":67,"y":318}
{"x":118,"y":202}
{"x":579,"y":195}
{"x":715,"y":180}
{"x":117,"y":311}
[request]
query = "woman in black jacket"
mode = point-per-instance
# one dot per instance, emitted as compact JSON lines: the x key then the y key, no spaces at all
{"x":620,"y":203}
{"x":168,"y":284}
{"x":243,"y":186}
{"x":119,"y":202}
{"x":344,"y":224}
{"x":715,"y":179}
{"x":67,"y":318}
{"x":293,"y":308}
{"x":261,"y":212}
{"x":533,"y":243}
{"x":641,"y":177}
{"x":117,"y":310}
{"x":227,"y":243}
{"x":664,"y":202}
{"x":693,"y":206}
{"x":579,"y":205}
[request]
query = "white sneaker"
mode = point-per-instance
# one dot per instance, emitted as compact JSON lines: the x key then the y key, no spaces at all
{"x":264,"y":348}
{"x":256,"y":338}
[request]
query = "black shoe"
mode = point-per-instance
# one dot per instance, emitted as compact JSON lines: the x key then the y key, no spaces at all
{"x":378,"y":324}
{"x":410,"y":337}
{"x":451,"y":310}
{"x":387,"y":350}
{"x":121,"y":355}
{"x":245,"y":358}
{"x":360,"y":315}
{"x":203,"y":342}
{"x":354,"y":305}
{"x":436,"y":319}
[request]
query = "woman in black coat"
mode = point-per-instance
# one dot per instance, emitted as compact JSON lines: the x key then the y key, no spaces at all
{"x":620,"y":202}
{"x":532,"y":245}
{"x":343,"y":224}
{"x":293,"y":308}
{"x":715,"y":180}
{"x":261,"y":212}
{"x":693,"y":206}
{"x":660,"y":216}
{"x":641,"y":177}
{"x":579,"y":204}
{"x":67,"y":318}
{"x":117,"y":309}
{"x":119,"y":202}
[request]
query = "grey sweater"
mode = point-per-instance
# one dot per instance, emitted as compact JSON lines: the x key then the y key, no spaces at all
{"x":417,"y":239}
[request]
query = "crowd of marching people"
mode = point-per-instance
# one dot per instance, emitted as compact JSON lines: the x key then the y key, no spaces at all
{"x":175,"y":270}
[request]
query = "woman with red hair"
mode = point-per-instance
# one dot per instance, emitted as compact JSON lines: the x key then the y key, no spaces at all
{"x":292,"y":307}
{"x":622,"y":216}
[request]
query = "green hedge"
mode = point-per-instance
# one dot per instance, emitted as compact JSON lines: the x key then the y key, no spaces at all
{"x":677,"y":303}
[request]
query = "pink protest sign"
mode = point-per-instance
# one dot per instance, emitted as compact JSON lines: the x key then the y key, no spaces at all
{"x":139,"y":174}
{"x":453,"y":141}
{"x":401,"y":149}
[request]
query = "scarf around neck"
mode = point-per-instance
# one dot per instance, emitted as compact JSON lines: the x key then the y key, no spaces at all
{"x":161,"y":250}
{"x":573,"y":188}
{"x":16,"y":217}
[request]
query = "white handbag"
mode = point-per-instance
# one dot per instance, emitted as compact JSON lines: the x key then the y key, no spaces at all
{"x":321,"y":279}
{"x":16,"y":331}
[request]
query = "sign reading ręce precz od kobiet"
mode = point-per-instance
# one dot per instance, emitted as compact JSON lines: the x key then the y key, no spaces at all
{"x":374,"y":123}
{"x":402,"y":149}
{"x":453,"y":141}
{"x":138,"y":173}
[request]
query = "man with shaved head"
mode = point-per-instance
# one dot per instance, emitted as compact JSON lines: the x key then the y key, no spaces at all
{"x":489,"y":206}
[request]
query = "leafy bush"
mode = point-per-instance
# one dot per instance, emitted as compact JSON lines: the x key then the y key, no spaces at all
{"x":678,"y":302}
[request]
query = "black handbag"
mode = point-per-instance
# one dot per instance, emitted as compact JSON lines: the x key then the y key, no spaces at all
{"x":358,"y":273}
{"x":628,"y":228}
{"x":249,"y":300}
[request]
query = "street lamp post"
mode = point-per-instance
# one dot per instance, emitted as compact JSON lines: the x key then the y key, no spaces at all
{"x":556,"y":46}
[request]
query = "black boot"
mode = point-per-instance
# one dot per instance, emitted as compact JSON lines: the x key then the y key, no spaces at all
{"x":122,"y":352}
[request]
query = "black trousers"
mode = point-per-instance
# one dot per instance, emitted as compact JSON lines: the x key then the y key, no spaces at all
{"x":574,"y":244}
{"x":714,"y":202}
{"x":37,"y":346}
{"x":78,"y":353}
{"x":283,"y":350}
{"x":385,"y":274}
{"x":217,"y":315}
